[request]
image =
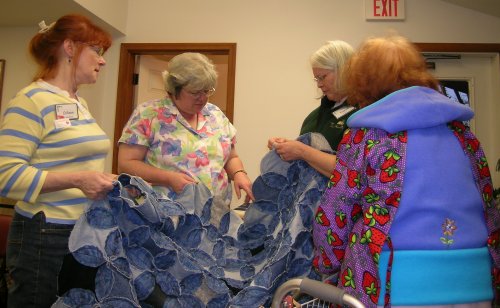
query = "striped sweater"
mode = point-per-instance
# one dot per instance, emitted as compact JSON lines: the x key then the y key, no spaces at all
{"x":36,"y":139}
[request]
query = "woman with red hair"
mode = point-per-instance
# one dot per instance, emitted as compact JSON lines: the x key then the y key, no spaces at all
{"x":409,"y":218}
{"x":52,"y":157}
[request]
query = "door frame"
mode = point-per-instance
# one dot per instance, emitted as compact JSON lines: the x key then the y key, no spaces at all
{"x":458,"y":47}
{"x":465,"y":48}
{"x":129,"y":51}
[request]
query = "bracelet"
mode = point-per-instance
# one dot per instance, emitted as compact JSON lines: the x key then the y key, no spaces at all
{"x":241,"y":170}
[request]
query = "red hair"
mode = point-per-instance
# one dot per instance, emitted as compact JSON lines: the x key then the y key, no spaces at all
{"x":382,"y":66}
{"x":44,"y":46}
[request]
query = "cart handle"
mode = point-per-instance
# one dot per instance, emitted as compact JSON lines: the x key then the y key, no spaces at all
{"x":316,"y":289}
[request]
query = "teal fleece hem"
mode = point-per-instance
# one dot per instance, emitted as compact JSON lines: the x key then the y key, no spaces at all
{"x":437,"y":277}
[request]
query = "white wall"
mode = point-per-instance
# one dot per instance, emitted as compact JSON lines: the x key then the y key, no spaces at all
{"x":19,"y":67}
{"x":274,"y":87}
{"x":114,"y":12}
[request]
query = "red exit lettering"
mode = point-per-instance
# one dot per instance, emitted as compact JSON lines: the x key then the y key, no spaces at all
{"x":385,"y":8}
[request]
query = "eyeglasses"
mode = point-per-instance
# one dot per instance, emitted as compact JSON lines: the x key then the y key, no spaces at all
{"x":198,"y":94}
{"x":98,"y":49}
{"x":320,"y":78}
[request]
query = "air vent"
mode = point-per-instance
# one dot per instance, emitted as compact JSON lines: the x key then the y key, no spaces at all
{"x":441,"y":56}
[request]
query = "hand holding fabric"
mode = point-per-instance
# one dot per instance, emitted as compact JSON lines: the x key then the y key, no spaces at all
{"x":290,"y":149}
{"x":242,"y":181}
{"x":95,"y":185}
{"x":275,"y":140}
{"x":178,"y":180}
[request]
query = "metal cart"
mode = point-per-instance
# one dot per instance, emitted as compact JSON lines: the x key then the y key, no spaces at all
{"x":324,"y":295}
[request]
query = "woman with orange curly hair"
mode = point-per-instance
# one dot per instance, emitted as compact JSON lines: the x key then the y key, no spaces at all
{"x":412,"y":182}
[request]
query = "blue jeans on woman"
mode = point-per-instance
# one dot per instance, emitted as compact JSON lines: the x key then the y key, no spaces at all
{"x":35,"y":252}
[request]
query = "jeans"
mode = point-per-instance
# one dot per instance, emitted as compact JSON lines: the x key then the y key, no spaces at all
{"x":35,"y":252}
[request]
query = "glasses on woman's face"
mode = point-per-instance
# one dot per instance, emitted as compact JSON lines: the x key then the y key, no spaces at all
{"x":198,"y":94}
{"x":98,"y":49}
{"x":320,"y":78}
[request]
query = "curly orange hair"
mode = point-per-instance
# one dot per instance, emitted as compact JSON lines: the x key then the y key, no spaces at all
{"x":384,"y":65}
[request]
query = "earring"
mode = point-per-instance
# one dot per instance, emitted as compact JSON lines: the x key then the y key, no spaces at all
{"x":69,"y":59}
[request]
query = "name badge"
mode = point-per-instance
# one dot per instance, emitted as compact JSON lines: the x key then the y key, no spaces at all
{"x":67,"y":111}
{"x":342,"y":111}
{"x":62,"y":123}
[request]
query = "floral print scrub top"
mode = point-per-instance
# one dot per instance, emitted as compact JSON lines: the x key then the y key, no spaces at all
{"x":174,"y":145}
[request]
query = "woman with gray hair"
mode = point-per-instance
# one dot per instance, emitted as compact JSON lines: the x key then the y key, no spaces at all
{"x":182,"y":138}
{"x":330,"y":117}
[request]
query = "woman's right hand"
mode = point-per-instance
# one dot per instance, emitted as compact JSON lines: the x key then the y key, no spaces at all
{"x":131,"y":161}
{"x":273,"y":141}
{"x":178,"y":180}
{"x":95,"y":185}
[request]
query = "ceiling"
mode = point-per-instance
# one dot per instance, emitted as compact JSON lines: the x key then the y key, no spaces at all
{"x":489,"y":7}
{"x":25,"y":13}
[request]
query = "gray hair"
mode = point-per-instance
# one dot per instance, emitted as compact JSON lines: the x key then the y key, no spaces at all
{"x":333,"y":55}
{"x":190,"y":70}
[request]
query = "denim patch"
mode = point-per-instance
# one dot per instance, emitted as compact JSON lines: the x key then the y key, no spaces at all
{"x":186,"y":252}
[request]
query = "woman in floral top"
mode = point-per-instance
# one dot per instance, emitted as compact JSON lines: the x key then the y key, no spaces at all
{"x":182,"y":139}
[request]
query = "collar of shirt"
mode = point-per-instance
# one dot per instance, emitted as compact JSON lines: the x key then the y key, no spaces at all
{"x":339,"y":103}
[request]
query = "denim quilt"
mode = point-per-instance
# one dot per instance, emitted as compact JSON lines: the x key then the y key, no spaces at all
{"x":191,"y":251}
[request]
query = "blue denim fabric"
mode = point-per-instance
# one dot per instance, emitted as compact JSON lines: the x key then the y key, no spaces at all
{"x":35,"y":252}
{"x":193,"y":251}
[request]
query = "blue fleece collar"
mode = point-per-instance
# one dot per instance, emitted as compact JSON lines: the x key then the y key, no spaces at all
{"x":410,"y":108}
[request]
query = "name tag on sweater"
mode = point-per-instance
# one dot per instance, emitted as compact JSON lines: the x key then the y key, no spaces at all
{"x":67,"y":111}
{"x":342,"y":111}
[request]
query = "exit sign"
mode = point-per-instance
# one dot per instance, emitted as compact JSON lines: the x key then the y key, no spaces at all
{"x":385,"y":9}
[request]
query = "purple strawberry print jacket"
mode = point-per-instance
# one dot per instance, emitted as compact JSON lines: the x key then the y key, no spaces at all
{"x":408,"y":217}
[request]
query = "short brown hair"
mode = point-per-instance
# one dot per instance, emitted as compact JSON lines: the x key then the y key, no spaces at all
{"x":190,"y":70}
{"x":384,"y":65}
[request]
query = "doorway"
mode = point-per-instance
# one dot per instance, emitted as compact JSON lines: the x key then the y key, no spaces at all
{"x":479,"y":66}
{"x":129,"y":51}
{"x":150,"y":84}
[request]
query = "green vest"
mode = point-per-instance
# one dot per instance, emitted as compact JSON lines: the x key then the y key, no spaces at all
{"x":329,"y":122}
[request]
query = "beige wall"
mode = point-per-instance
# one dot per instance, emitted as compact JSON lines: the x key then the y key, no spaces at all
{"x":113,"y":12}
{"x":19,"y":68}
{"x":274,"y":88}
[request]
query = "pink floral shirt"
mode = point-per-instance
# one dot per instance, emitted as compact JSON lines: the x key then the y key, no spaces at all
{"x":174,"y":145}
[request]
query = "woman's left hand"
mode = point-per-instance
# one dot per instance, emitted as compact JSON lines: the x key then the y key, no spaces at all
{"x":290,"y":150}
{"x":242,"y":181}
